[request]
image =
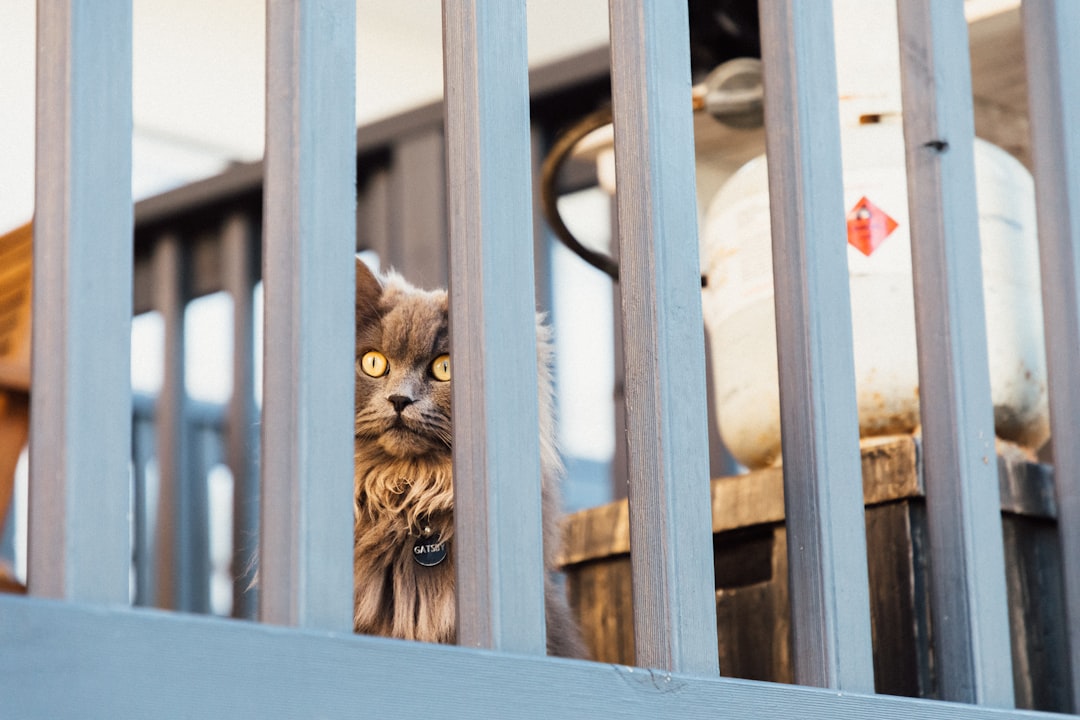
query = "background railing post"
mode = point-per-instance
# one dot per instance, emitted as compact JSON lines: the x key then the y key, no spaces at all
{"x":182,"y":536}
{"x":823,"y":496}
{"x":241,"y":435}
{"x":80,"y":419}
{"x":967,"y":585}
{"x":305,"y":561}
{"x":497,"y":526}
{"x":1052,"y":52}
{"x":660,"y":277}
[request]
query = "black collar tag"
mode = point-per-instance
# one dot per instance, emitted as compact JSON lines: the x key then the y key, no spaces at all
{"x":429,"y":551}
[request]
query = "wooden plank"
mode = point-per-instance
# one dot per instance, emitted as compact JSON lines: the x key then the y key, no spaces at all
{"x":309,"y":272}
{"x":1051,"y":32}
{"x":963,"y":510}
{"x":242,"y":437}
{"x":899,"y":606}
{"x":180,"y":538}
{"x":601,"y":598}
{"x":80,"y":427}
{"x":419,"y":209}
{"x":666,"y":419}
{"x":822,"y":494}
{"x":497,"y":525}
{"x":889,"y":469}
{"x":221,"y":668}
{"x":374,"y":214}
{"x":1027,"y":488}
{"x":753,"y":608}
{"x":1033,"y":573}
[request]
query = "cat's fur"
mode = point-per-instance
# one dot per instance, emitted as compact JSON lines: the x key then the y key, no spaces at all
{"x":403,"y":469}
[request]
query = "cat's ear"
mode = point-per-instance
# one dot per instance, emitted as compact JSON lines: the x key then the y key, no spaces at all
{"x":368,"y":290}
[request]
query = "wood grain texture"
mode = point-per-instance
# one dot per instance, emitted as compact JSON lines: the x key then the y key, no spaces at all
{"x":826,"y":542}
{"x":1034,"y":574}
{"x":753,"y":612}
{"x":498,"y":548}
{"x":889,"y":470}
{"x":308,"y":268}
{"x":1052,"y":35}
{"x":674,"y":612}
{"x":79,"y":545}
{"x":110,"y":663}
{"x":968,"y":582}
{"x":752,"y":604}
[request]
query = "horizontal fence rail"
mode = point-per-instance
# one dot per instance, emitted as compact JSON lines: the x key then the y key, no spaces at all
{"x":75,"y":646}
{"x":216,"y":667}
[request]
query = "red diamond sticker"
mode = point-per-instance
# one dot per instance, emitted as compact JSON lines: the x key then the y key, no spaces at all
{"x":868,"y":226}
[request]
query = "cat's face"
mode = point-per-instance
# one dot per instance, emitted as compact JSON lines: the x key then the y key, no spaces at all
{"x":402,"y":367}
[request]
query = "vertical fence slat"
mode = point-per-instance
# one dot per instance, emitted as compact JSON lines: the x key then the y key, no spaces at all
{"x":492,"y":320}
{"x":670,"y":522}
{"x":822,"y":472}
{"x":142,"y":449}
{"x":309,"y":281}
{"x":374,"y":228}
{"x":242,"y":437}
{"x":80,"y":443}
{"x":971,"y":626}
{"x":1052,"y":49}
{"x":178,"y":567}
{"x":420,"y":209}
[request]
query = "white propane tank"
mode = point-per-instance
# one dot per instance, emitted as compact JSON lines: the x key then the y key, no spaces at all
{"x":737,"y":260}
{"x":739,"y":313}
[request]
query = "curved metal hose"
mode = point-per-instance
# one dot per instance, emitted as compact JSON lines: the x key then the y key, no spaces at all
{"x":549,"y":196}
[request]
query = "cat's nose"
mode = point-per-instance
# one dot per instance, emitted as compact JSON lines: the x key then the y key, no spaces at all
{"x":400,"y":402}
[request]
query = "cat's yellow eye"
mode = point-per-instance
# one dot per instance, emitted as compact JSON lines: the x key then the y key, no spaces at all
{"x":374,"y":363}
{"x":441,"y":368}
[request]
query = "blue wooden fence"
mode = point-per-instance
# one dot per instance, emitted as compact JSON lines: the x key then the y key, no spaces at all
{"x":75,"y":647}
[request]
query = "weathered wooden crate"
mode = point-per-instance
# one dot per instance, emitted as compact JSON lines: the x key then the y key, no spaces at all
{"x":750,"y":560}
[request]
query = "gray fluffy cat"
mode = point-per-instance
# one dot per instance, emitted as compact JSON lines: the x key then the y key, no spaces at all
{"x":403,"y":561}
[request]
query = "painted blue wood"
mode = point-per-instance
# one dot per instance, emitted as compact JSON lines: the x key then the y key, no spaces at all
{"x":968,"y":596}
{"x":62,"y":660}
{"x":309,"y":280}
{"x":659,"y":270}
{"x":822,"y":472}
{"x":497,"y":534}
{"x":1052,"y":52}
{"x":80,"y":419}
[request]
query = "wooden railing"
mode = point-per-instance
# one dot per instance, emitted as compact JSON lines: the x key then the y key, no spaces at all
{"x":75,"y":648}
